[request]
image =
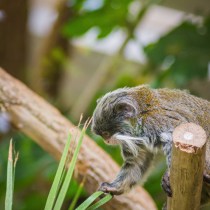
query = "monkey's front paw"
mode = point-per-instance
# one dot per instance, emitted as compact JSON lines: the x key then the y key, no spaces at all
{"x":110,"y":188}
{"x":166,"y":184}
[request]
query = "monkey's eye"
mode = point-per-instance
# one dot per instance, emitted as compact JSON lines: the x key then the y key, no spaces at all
{"x":105,"y":134}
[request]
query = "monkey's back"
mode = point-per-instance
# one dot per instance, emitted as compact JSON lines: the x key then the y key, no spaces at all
{"x":191,"y":108}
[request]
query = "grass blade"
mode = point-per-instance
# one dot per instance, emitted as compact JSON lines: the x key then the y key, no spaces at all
{"x":70,"y":171}
{"x":14,"y":166}
{"x":90,"y":200}
{"x":76,"y":197}
{"x":101,"y":202}
{"x":58,"y":177}
{"x":10,"y":179}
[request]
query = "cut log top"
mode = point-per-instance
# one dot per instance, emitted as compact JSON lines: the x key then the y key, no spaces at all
{"x":189,"y":137}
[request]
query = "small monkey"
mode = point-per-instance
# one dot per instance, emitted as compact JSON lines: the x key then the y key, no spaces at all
{"x":141,"y":120}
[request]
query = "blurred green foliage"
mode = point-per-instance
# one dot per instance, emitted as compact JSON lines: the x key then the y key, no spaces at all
{"x":181,"y":55}
{"x":104,"y":15}
{"x":35,"y":171}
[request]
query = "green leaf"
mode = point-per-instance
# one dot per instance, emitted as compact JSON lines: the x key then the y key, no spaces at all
{"x":58,"y":177}
{"x":106,"y":18}
{"x":10,"y":178}
{"x":188,"y":47}
{"x":76,"y":197}
{"x":100,"y":202}
{"x":69,"y":173}
{"x":87,"y":202}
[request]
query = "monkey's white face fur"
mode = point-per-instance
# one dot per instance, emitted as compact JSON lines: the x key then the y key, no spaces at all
{"x":113,"y":117}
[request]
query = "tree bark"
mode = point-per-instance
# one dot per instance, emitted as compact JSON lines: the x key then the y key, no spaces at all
{"x":36,"y":118}
{"x":46,"y":73}
{"x":187,"y":166}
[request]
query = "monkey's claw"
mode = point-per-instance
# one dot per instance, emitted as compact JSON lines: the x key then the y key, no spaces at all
{"x":166,"y":184}
{"x":109,"y":188}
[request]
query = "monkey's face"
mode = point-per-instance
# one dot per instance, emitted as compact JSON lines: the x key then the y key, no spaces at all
{"x":113,"y":115}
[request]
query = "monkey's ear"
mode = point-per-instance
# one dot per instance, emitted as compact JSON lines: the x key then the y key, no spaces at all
{"x":127,"y":109}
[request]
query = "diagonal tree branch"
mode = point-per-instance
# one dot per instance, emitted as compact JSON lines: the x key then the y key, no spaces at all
{"x":32,"y":115}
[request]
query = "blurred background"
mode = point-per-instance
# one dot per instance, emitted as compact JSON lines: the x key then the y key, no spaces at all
{"x":73,"y":51}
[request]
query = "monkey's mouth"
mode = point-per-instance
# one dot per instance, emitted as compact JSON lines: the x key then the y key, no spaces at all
{"x":132,"y":143}
{"x":119,"y":139}
{"x":112,"y":141}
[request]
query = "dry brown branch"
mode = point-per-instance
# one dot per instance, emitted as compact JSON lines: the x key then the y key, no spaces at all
{"x":36,"y":118}
{"x":186,"y":172}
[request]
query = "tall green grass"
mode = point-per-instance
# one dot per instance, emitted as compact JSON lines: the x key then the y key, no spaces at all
{"x":62,"y":178}
{"x":11,"y":163}
{"x":77,"y":194}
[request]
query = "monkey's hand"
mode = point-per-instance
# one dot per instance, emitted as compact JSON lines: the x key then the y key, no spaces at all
{"x":166,"y":184}
{"x":125,"y":180}
{"x":112,"y":188}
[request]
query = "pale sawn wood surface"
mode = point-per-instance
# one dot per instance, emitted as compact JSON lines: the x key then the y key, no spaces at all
{"x":187,"y":166}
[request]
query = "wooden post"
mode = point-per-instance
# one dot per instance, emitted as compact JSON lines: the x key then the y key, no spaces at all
{"x":187,"y":165}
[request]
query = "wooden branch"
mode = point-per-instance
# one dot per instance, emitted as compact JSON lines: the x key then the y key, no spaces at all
{"x":187,"y":166}
{"x":36,"y":118}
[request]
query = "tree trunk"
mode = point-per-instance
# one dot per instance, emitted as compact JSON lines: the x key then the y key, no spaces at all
{"x":48,"y":68}
{"x":36,"y":118}
{"x":13,"y":36}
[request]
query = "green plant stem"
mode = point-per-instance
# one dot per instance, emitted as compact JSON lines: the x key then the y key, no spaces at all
{"x":100,"y":202}
{"x":58,"y":177}
{"x":76,"y":197}
{"x":10,"y":177}
{"x":87,"y":202}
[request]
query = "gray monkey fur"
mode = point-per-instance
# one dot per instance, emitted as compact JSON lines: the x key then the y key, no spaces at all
{"x":141,"y":120}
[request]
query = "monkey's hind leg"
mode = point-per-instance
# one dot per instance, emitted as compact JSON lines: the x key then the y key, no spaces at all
{"x":165,"y":183}
{"x":205,"y":197}
{"x":206,"y":175}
